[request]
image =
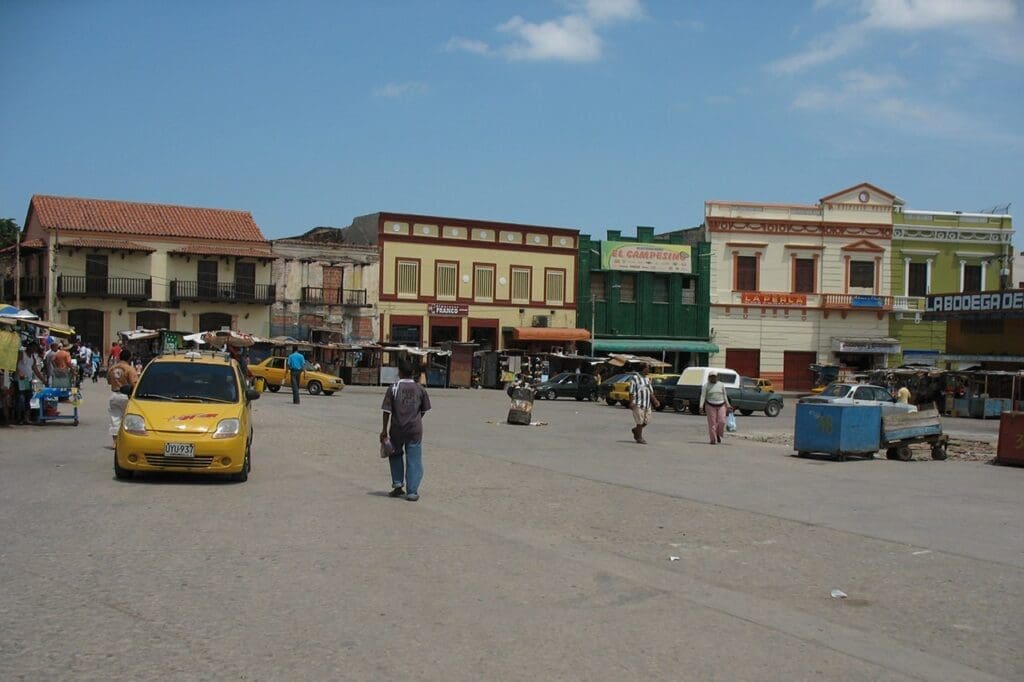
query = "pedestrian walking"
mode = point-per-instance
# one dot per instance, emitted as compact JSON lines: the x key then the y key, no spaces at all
{"x":95,"y":365}
{"x":641,"y":396}
{"x":122,"y":373}
{"x":715,"y":401}
{"x":405,"y":403}
{"x":28,"y":369}
{"x":115,"y":354}
{"x":60,"y":367}
{"x":296,"y":363}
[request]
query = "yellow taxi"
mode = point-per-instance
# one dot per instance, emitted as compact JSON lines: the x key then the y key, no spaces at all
{"x":620,"y":389}
{"x":276,"y":374}
{"x":189,"y":412}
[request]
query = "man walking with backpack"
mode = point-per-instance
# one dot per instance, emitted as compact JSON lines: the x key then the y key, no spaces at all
{"x":404,"y":406}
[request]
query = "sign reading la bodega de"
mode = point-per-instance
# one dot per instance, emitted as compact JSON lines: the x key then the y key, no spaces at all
{"x":645,"y":257}
{"x":986,"y":304}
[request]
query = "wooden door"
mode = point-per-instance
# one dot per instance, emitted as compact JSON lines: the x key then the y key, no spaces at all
{"x":797,"y":368}
{"x":745,"y":361}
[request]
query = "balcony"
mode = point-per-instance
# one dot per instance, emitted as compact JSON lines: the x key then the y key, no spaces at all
{"x":908,"y":304}
{"x":322,"y":296}
{"x":857,"y":302}
{"x":232,"y":292}
{"x":104,"y":287}
{"x":31,"y":288}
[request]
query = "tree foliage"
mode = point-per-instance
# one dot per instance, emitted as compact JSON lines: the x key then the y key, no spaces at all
{"x":9,"y":231}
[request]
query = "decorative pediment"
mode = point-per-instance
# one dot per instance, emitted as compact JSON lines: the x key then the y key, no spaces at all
{"x":863,"y":245}
{"x":863,"y":194}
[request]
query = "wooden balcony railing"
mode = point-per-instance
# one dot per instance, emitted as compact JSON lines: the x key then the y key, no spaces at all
{"x":190,"y":290}
{"x":33,"y":287}
{"x":105,"y":287}
{"x":856,"y":301}
{"x":322,"y":296}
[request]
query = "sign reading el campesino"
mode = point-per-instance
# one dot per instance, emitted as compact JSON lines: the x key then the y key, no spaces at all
{"x":645,"y":257}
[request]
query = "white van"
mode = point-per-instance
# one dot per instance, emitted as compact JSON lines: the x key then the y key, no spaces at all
{"x":698,"y":376}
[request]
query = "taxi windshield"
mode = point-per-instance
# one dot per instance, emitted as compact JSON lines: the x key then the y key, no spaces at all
{"x":188,"y":382}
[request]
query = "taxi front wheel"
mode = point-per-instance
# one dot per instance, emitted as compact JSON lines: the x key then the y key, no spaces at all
{"x":314,"y":388}
{"x":120,"y":473}
{"x":273,"y":388}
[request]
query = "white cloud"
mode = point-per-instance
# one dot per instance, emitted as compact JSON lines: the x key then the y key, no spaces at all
{"x":573,"y":37}
{"x":397,"y":90}
{"x":902,"y":15}
{"x":928,"y":14}
{"x":881,"y":97}
{"x":467,"y":45}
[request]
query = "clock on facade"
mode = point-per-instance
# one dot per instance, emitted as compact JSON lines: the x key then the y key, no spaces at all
{"x":863,"y":196}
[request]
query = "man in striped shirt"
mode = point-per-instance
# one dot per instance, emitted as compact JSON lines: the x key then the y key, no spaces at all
{"x":641,"y":395}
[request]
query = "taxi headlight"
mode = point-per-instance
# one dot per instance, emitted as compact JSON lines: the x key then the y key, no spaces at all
{"x":227,"y":428}
{"x":134,"y":424}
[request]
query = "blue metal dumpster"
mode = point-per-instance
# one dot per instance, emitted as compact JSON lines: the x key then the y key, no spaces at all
{"x":837,"y":430}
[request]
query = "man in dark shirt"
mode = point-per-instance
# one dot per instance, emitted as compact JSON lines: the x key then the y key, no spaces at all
{"x":404,"y":405}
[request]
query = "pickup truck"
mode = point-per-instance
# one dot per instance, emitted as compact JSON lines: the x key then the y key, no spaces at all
{"x":744,"y":394}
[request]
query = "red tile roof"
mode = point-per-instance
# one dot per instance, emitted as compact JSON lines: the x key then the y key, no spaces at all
{"x":257,"y":251}
{"x":112,"y":244}
{"x":149,"y":220}
{"x":27,"y":244}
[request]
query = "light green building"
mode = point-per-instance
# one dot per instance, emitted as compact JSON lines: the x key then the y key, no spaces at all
{"x":936,"y":252}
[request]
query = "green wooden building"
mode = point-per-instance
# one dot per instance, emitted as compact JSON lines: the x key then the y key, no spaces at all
{"x":647,"y":295}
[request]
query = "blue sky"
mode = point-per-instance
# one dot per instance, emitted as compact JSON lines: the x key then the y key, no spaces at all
{"x":591,"y":114}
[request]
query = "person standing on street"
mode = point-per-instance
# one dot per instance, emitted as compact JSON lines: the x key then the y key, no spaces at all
{"x":296,"y":363}
{"x":28,"y":369}
{"x":641,"y":395}
{"x":404,"y":405}
{"x":715,"y":401}
{"x":60,"y":367}
{"x":120,"y":374}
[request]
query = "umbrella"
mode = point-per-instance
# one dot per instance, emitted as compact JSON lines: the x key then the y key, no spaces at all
{"x":11,"y":311}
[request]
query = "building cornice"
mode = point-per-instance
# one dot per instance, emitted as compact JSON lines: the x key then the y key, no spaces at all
{"x":953,"y":235}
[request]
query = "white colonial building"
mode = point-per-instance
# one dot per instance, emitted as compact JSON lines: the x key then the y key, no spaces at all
{"x":794,"y":285}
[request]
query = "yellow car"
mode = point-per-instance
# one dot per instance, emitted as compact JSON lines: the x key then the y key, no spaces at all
{"x":276,"y":374}
{"x":189,"y":412}
{"x":620,"y":390}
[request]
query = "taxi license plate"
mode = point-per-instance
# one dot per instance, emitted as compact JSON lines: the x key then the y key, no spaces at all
{"x":179,"y":450}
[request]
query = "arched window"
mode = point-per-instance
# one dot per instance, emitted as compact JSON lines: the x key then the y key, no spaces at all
{"x":153,"y":319}
{"x":211,"y":322}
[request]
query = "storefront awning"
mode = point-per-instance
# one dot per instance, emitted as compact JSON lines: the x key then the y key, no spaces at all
{"x":653,"y":345}
{"x":549,"y":334}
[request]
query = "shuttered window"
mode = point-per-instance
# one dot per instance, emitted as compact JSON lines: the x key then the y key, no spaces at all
{"x":627,"y":288}
{"x":803,"y":276}
{"x":659,"y":288}
{"x":483,"y":282}
{"x":746,"y":273}
{"x":862,"y":274}
{"x":597,"y":286}
{"x":554,"y":287}
{"x":447,"y":280}
{"x":408,"y":278}
{"x":520,"y":285}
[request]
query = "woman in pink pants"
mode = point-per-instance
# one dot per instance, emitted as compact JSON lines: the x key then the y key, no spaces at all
{"x":715,"y":402}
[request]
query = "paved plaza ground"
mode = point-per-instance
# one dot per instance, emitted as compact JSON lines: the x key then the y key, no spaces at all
{"x":562,"y":551}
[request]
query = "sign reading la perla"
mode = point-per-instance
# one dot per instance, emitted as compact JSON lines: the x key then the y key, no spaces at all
{"x":645,"y":257}
{"x":948,"y":305}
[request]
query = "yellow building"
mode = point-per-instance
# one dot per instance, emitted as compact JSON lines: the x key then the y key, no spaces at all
{"x":106,"y":266}
{"x":500,"y":285}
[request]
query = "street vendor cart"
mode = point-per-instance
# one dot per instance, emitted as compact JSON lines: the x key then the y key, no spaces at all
{"x":46,"y":403}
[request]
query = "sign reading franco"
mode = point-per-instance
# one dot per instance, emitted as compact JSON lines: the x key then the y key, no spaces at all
{"x":1008,"y":303}
{"x":645,"y":257}
{"x":448,"y":308}
{"x":772,"y":298}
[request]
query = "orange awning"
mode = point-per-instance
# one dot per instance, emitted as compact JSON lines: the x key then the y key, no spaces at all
{"x":549,"y":334}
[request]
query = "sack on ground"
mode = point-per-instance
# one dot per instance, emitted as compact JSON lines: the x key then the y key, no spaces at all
{"x":730,"y":422}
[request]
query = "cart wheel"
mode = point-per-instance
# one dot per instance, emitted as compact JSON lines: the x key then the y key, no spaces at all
{"x":890,"y":453}
{"x":802,"y":453}
{"x":939,"y":451}
{"x":903,"y":453}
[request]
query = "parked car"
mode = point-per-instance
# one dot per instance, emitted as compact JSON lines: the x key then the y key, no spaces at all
{"x":838,"y":393}
{"x":188,"y":413}
{"x":605,"y":387}
{"x":620,"y":390}
{"x":750,"y":398}
{"x":765,"y":385}
{"x":276,"y":374}
{"x":568,"y":385}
